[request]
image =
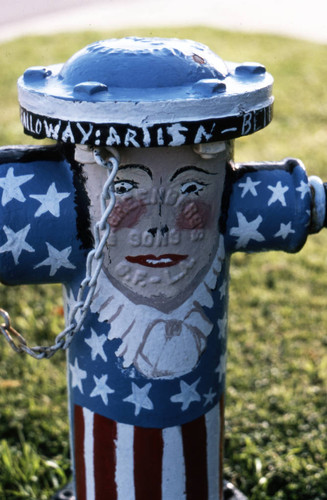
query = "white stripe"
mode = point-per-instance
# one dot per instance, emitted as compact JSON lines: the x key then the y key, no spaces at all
{"x":125,"y":462}
{"x":173,"y":465}
{"x":88,"y":453}
{"x":213,"y":443}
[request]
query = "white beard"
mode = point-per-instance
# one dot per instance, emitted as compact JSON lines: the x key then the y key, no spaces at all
{"x":157,"y":344}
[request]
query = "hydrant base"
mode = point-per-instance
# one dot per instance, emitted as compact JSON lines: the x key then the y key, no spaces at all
{"x":230,"y":493}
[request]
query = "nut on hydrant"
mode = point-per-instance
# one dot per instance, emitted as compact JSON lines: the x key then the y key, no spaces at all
{"x":137,"y":210}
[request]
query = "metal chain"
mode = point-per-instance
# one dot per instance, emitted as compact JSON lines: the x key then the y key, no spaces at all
{"x":93,"y":267}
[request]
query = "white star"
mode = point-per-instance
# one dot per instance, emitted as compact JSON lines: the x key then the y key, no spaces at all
{"x":304,"y":189}
{"x":16,"y":242}
{"x":223,"y":289}
{"x":246,"y":231}
{"x":49,"y":201}
{"x":187,"y":395}
{"x":221,"y":368}
{"x":222,"y":325}
{"x":56,"y":259}
{"x":284,"y":230}
{"x":77,"y":375}
{"x":249,"y":186}
{"x":96,"y":343}
{"x":139,"y":398}
{"x":10,"y":185}
{"x":278,"y":194}
{"x":209,"y":397}
{"x":101,"y":388}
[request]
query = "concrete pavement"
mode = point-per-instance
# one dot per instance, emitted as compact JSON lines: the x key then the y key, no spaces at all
{"x":307,"y":20}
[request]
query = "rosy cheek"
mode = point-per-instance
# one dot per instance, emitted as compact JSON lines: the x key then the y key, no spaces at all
{"x":127,"y":213}
{"x":194,"y":215}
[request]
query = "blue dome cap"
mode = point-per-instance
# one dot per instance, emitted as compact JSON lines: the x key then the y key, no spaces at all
{"x":141,"y":63}
{"x":143,"y":92}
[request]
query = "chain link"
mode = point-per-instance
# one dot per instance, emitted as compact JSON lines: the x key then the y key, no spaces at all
{"x":93,"y":266}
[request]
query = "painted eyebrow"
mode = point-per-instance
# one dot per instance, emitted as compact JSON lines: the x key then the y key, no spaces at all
{"x":136,"y":166}
{"x":190,"y":167}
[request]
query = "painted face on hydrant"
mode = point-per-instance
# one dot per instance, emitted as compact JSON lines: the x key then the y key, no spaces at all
{"x":164,"y":227}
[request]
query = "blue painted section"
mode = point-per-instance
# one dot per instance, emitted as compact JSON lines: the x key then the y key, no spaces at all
{"x":270,"y":208}
{"x":29,"y":232}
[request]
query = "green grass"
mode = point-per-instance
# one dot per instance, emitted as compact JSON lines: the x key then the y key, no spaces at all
{"x":277,"y":370}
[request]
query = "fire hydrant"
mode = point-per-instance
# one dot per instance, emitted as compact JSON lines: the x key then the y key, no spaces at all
{"x":137,"y":210}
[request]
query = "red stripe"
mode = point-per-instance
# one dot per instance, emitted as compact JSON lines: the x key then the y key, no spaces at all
{"x":79,"y":452}
{"x":105,"y":434}
{"x":195,"y":457}
{"x":148,"y":451}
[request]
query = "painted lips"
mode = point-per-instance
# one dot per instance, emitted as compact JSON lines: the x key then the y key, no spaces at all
{"x":166,"y":260}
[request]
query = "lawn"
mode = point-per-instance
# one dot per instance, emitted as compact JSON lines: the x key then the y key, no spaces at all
{"x":277,"y":368}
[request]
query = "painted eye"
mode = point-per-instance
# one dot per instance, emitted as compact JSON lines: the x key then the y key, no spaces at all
{"x":192,"y":187}
{"x":123,"y":187}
